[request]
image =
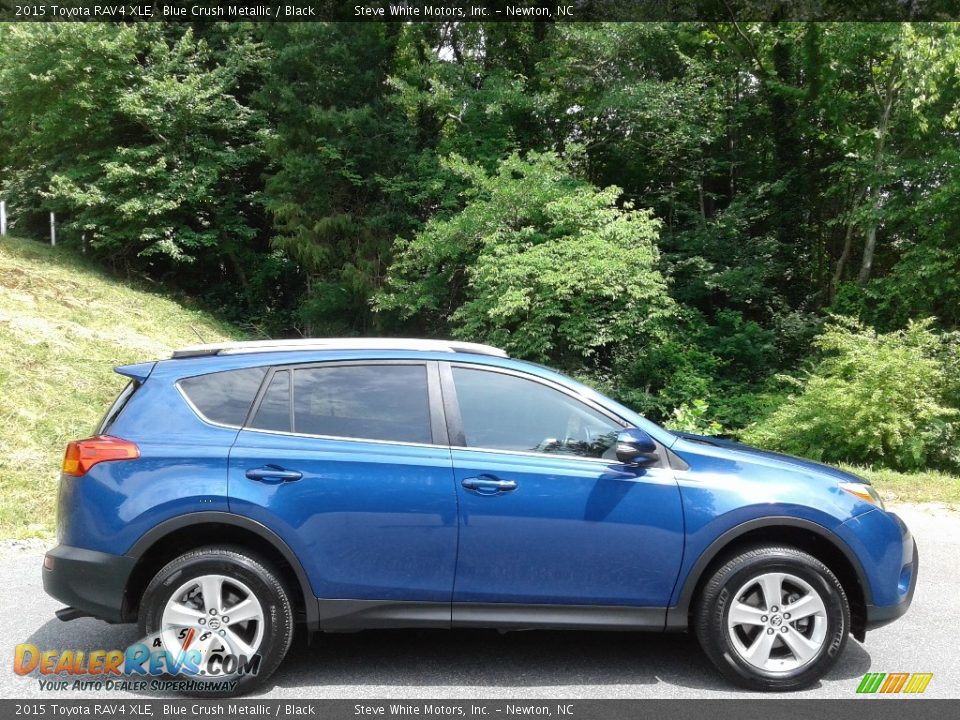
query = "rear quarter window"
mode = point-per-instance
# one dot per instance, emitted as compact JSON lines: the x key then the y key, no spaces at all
{"x":223,"y":397}
{"x":118,"y":405}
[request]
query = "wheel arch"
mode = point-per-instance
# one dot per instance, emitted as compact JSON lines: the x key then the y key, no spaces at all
{"x":805,"y":535}
{"x":177,"y":535}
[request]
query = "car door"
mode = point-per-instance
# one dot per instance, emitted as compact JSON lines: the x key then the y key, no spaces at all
{"x":547,"y":513}
{"x":348,"y":463}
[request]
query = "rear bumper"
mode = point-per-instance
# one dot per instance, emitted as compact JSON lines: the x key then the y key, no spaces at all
{"x":90,"y":581}
{"x":878,"y":616}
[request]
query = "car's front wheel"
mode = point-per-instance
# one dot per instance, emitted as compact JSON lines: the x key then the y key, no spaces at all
{"x":226,"y":611}
{"x":773,"y":618}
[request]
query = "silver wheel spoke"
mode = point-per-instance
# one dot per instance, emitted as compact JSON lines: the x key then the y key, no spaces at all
{"x":244,"y":610}
{"x":801,"y":648}
{"x":238,"y":646}
{"x":210,"y":586}
{"x":772,"y":585}
{"x":759,"y":652}
{"x":805,"y":607}
{"x":743,"y":614}
{"x":182,"y":616}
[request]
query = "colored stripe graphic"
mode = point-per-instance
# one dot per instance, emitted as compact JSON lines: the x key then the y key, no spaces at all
{"x":893,"y":683}
{"x":870,"y":682}
{"x":918,"y":682}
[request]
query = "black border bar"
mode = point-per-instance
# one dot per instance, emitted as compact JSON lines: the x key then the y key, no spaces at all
{"x":204,"y":11}
{"x":878,"y":708}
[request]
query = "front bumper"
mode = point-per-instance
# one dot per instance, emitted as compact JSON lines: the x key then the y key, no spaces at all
{"x":90,"y":581}
{"x":880,"y":615}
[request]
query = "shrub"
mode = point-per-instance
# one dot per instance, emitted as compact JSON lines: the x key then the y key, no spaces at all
{"x":879,"y":399}
{"x":546,"y":266}
{"x":695,"y":418}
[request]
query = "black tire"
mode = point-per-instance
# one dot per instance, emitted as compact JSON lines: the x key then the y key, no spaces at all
{"x":258,"y":576}
{"x":712,"y":610}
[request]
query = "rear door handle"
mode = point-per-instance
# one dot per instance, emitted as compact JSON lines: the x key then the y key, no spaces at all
{"x":273,"y":474}
{"x":488,"y":485}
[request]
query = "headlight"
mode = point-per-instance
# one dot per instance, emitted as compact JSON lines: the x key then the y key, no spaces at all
{"x":864,"y":491}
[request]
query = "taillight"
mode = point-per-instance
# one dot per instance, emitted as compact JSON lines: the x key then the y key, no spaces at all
{"x":82,"y":455}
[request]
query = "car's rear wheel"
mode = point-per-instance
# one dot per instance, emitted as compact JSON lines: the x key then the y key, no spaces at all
{"x":228,"y":609}
{"x":773,"y":618}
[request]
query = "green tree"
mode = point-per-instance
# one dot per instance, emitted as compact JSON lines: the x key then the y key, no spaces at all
{"x":172,"y":189}
{"x":537,"y":262}
{"x":60,"y":87}
{"x":339,"y":154}
{"x":138,"y":141}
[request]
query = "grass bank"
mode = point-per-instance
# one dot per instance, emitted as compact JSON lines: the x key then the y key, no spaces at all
{"x":63,"y":326}
{"x":920,"y":487}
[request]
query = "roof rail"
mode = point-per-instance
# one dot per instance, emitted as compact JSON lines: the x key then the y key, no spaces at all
{"x":261,"y":346}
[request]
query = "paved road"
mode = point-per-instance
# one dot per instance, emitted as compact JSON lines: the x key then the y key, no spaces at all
{"x":486,"y":664}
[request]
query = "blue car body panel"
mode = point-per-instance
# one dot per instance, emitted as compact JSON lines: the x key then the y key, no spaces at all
{"x":886,"y":549}
{"x":367,"y":520}
{"x":388,"y":521}
{"x":181,"y":469}
{"x":562,"y":536}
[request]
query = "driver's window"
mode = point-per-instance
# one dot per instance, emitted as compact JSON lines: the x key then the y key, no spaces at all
{"x":506,"y":412}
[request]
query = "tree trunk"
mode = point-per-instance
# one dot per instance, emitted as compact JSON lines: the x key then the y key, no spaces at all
{"x":703,"y":203}
{"x":842,"y":260}
{"x":238,"y":270}
{"x":855,"y":201}
{"x":889,"y":97}
{"x":870,"y":243}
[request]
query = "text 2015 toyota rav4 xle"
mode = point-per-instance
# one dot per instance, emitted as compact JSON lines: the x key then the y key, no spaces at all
{"x":236,"y":492}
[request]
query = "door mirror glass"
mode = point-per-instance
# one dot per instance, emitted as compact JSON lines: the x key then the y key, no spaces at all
{"x":635,"y":447}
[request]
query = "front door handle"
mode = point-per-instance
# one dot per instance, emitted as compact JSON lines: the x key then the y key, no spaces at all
{"x":488,"y":485}
{"x":273,"y":474}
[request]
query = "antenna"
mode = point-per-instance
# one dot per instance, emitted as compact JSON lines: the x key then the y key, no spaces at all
{"x":197,"y":333}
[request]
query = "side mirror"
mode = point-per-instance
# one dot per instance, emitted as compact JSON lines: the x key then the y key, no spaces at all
{"x":635,"y":447}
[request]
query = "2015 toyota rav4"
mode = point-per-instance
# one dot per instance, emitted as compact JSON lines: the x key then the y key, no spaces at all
{"x":236,"y":491}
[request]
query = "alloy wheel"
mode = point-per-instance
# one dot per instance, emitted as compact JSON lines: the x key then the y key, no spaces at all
{"x":212,"y":614}
{"x":777,"y":622}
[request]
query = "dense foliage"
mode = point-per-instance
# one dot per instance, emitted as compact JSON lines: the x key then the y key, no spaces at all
{"x":671,"y":211}
{"x":537,"y":262}
{"x":878,"y":398}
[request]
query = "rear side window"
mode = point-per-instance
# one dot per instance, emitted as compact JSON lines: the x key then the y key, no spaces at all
{"x":371,"y":402}
{"x":274,"y":410}
{"x":224,"y":397}
{"x":118,"y":405}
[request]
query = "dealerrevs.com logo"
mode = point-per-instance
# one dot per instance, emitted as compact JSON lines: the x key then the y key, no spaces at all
{"x":145,"y":665}
{"x":894,"y":683}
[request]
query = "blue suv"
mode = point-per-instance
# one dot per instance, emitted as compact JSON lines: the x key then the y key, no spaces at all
{"x":237,"y":491}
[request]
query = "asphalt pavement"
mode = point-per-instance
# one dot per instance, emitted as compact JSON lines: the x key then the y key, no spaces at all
{"x":486,"y":664}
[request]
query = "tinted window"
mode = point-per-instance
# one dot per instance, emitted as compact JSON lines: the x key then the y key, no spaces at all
{"x":505,"y":412}
{"x":274,"y":410}
{"x":118,"y":405}
{"x":376,"y":402}
{"x":224,"y":397}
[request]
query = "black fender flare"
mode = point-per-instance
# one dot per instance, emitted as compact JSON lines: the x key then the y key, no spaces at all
{"x":156,"y":534}
{"x":677,"y":616}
